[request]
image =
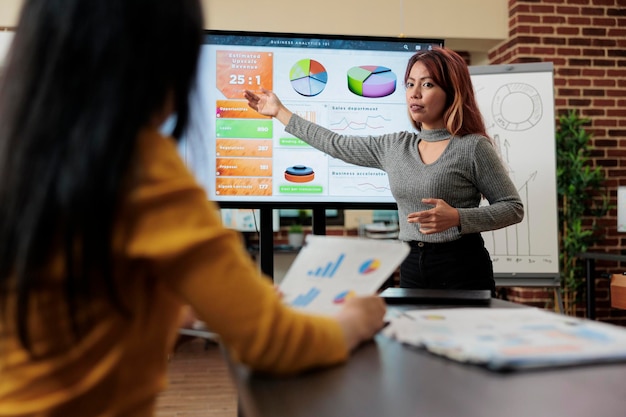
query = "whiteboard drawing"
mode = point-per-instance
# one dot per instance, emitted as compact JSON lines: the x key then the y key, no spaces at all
{"x":517,"y":104}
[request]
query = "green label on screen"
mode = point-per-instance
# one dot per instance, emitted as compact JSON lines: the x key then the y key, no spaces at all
{"x":292,"y":142}
{"x":301,"y":189}
{"x":237,"y":128}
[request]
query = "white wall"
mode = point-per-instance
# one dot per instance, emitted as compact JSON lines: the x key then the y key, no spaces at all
{"x":9,"y":11}
{"x":475,"y":26}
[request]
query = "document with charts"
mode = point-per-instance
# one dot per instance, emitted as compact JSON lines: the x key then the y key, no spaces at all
{"x":510,"y":338}
{"x":330,"y":269}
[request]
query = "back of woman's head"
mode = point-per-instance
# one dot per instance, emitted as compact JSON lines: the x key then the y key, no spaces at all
{"x":82,"y":78}
{"x":450,"y":72}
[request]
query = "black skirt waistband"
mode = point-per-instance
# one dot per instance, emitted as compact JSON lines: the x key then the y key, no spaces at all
{"x":472,"y":239}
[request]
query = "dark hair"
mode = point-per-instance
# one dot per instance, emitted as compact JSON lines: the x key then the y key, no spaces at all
{"x":450,"y":72}
{"x":82,"y":78}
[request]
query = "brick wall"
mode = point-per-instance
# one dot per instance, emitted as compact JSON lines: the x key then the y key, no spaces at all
{"x":586,"y":42}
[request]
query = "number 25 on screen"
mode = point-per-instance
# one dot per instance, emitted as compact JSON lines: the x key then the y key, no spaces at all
{"x":241,"y":79}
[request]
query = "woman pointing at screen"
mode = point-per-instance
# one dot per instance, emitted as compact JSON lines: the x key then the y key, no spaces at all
{"x":438,"y":174}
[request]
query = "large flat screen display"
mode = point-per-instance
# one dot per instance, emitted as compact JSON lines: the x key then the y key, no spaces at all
{"x":351,"y":85}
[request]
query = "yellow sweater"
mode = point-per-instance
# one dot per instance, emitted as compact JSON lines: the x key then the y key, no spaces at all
{"x":170,"y":248}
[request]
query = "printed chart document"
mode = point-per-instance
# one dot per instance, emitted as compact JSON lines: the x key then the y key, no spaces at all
{"x":510,"y":338}
{"x":330,"y":269}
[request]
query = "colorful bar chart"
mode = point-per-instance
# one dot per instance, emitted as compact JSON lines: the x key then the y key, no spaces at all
{"x":328,"y":270}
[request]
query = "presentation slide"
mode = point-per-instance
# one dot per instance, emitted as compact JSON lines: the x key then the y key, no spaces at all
{"x":351,"y":85}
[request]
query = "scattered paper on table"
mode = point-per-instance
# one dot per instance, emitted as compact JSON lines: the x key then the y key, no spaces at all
{"x":509,"y":338}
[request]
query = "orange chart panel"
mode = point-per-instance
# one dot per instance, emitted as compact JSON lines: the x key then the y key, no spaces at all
{"x":240,"y":70}
{"x":244,"y":147}
{"x":236,"y":109}
{"x":243,"y":186}
{"x":243,"y":167}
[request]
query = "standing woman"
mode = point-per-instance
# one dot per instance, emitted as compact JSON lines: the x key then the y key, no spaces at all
{"x":438,"y":175}
{"x":104,"y":233}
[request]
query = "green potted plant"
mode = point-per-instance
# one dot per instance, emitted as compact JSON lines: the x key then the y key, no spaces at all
{"x":582,"y":200}
{"x":295,"y":232}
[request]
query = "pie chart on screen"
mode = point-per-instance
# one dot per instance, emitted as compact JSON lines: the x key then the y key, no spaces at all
{"x":371,"y":81}
{"x":308,"y":77}
{"x":368,"y":266}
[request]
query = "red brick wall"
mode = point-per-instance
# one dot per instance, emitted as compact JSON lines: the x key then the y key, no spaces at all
{"x":586,"y":42}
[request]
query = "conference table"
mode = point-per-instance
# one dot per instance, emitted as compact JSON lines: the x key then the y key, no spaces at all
{"x":386,"y":378}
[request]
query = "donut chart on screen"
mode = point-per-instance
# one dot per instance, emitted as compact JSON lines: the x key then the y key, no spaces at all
{"x":308,"y":77}
{"x":371,"y":81}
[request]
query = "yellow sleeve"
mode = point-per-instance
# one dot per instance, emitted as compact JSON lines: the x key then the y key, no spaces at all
{"x":179,"y":233}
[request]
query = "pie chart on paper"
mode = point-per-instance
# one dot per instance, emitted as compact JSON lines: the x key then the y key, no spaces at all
{"x":308,"y":77}
{"x":343,"y":296}
{"x":371,"y":81}
{"x":368,"y":266}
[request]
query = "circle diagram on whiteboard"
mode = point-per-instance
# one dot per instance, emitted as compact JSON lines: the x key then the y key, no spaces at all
{"x":517,"y":107}
{"x":371,"y":81}
{"x":308,"y":77}
{"x":299,"y":173}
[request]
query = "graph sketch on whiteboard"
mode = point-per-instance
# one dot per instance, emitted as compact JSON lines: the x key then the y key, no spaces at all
{"x":517,"y":106}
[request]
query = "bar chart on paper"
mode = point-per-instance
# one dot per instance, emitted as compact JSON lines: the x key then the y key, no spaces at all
{"x":303,"y":300}
{"x":328,"y":270}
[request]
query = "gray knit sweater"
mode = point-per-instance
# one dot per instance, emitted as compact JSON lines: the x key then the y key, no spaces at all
{"x":468,"y":169}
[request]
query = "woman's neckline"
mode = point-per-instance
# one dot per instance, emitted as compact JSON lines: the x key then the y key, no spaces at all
{"x":434,"y":135}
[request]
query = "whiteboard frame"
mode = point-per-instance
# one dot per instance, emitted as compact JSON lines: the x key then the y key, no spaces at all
{"x":523,"y":279}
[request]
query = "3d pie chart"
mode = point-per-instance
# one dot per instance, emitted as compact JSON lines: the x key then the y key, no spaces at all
{"x":299,"y":173}
{"x":371,"y":81}
{"x":308,"y":77}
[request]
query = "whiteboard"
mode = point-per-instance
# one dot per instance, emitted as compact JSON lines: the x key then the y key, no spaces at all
{"x":517,"y":104}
